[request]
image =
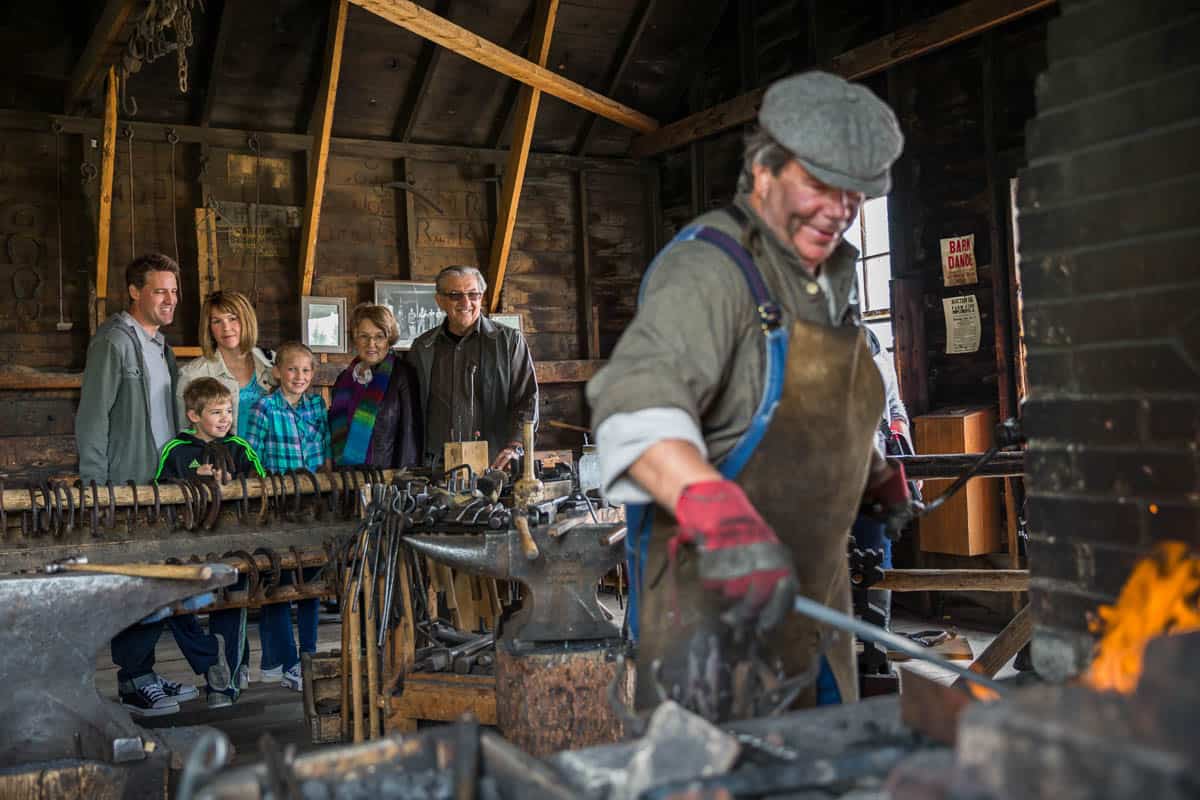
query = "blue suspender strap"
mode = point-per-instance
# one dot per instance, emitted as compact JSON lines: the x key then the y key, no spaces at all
{"x":639,"y":518}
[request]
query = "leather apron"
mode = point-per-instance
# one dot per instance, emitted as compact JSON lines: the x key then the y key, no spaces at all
{"x":806,"y":478}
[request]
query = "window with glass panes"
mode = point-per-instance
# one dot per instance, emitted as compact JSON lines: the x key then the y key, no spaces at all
{"x":869,"y":234}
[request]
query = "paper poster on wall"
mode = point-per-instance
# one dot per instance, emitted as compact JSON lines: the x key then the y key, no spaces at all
{"x":958,"y":260}
{"x":962,"y":324}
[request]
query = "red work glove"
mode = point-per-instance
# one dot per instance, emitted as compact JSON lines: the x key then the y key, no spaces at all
{"x":740,"y":556}
{"x":889,"y":500}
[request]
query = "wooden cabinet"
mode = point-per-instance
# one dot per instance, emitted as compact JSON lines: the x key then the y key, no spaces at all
{"x":969,"y":523}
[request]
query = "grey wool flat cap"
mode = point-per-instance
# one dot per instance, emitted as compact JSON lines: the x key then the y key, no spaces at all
{"x":839,"y":131}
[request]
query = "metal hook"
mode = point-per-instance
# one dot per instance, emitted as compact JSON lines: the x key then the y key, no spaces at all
{"x":172,"y":136}
{"x":56,"y":519}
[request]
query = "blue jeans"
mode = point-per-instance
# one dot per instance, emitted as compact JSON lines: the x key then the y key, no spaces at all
{"x":275,"y":627}
{"x":133,"y":648}
{"x":872,"y":534}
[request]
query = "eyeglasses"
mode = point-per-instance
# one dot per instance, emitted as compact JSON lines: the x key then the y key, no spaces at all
{"x":371,"y":338}
{"x":456,"y":296}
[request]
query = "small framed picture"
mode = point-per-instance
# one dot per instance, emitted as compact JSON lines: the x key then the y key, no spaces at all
{"x":323,"y":321}
{"x":414,"y":306}
{"x":511,"y":320}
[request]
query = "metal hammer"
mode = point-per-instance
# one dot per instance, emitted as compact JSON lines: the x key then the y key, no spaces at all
{"x":177,"y":572}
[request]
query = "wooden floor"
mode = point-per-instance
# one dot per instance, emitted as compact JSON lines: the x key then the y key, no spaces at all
{"x":260,"y":709}
{"x":278,"y":711}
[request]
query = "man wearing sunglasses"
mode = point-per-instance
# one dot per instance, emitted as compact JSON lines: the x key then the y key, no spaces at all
{"x":477,"y":380}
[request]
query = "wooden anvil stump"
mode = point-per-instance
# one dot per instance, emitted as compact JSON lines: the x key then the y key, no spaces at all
{"x":555,"y":697}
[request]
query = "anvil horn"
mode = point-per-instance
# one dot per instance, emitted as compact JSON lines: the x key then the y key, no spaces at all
{"x":487,"y":555}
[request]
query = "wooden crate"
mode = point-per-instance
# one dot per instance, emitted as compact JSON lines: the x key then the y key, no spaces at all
{"x":441,"y":697}
{"x":969,"y":523}
{"x":322,"y":686}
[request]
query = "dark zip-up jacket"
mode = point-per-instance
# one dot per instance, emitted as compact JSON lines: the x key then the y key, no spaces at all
{"x":186,"y":453}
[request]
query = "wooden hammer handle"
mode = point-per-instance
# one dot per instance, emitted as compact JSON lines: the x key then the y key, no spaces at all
{"x":528,"y":545}
{"x":178,"y":572}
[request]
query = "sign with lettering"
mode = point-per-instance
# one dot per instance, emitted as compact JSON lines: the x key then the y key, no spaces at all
{"x":962,"y":324}
{"x":958,"y":260}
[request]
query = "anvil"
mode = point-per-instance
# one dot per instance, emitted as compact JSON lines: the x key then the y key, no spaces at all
{"x":51,"y":628}
{"x":561,"y":605}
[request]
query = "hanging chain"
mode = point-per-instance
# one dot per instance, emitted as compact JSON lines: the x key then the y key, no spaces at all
{"x":149,"y":42}
{"x":132,"y":226}
{"x":253,"y":144}
{"x":173,"y":138}
{"x":58,"y":129}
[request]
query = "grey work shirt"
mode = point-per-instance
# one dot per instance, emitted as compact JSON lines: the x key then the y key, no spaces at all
{"x":690,"y":364}
{"x":455,"y":400}
{"x":158,"y":373}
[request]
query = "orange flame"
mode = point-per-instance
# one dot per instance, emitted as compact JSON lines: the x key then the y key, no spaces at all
{"x":984,"y":694}
{"x":1161,"y":596}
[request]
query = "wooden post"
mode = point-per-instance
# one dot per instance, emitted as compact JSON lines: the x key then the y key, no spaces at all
{"x":107,"y":164}
{"x":353,"y":620}
{"x":101,"y":50}
{"x":1006,"y":645}
{"x":518,"y":154}
{"x":322,"y":124}
{"x":437,"y":29}
{"x":207,"y":254}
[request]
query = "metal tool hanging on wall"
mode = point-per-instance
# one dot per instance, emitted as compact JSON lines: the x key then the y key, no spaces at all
{"x":173,"y":139}
{"x":149,"y":42}
{"x":128,"y":134}
{"x":57,"y":127}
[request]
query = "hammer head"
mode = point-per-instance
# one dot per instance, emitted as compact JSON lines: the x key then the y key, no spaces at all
{"x":57,"y":565}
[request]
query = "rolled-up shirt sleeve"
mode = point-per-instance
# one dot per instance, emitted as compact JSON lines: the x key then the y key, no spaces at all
{"x":624,"y":437}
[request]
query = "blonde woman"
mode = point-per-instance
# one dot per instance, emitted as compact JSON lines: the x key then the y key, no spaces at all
{"x":228,"y":342}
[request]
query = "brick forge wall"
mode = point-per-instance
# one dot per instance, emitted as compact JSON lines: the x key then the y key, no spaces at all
{"x":1109,"y":244}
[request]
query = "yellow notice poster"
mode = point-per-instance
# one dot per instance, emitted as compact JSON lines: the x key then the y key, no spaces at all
{"x":958,"y":260}
{"x":962,"y":324}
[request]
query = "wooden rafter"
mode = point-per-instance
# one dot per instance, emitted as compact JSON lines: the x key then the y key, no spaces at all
{"x":425,"y":23}
{"x":224,"y":28}
{"x":508,"y":105}
{"x":427,"y":61}
{"x":524,"y":120}
{"x":102,"y":50}
{"x":322,"y":127}
{"x":963,"y":21}
{"x":108,"y":158}
{"x":624,"y":56}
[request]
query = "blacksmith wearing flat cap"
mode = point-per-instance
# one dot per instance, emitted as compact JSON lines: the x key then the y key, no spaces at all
{"x":737,"y":414}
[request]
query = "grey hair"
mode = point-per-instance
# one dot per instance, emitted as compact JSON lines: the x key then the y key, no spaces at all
{"x":464,"y":271}
{"x":762,"y":149}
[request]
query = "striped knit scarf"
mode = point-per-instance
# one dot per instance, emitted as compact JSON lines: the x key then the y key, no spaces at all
{"x":352,"y":415}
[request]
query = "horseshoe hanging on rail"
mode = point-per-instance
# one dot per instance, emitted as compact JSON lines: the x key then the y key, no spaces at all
{"x":66,"y":487}
{"x":131,"y":513}
{"x":110,"y":516}
{"x":157,"y":503}
{"x":95,"y":517}
{"x":50,"y":491}
{"x":214,"y":504}
{"x":271,"y":582}
{"x":243,"y":505}
{"x":318,"y":504}
{"x":263,"y":492}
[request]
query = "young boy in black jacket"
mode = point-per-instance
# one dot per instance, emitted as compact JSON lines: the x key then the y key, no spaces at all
{"x":209,"y":449}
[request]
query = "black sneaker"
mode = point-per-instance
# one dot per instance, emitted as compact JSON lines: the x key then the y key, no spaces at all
{"x":149,"y":700}
{"x":179,"y":692}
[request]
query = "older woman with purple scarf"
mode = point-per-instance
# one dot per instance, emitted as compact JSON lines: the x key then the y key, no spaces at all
{"x":375,"y":417}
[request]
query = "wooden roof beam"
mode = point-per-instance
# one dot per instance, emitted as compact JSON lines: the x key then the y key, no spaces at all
{"x":102,"y":51}
{"x":518,"y":154}
{"x":961,"y":22}
{"x":322,"y":127}
{"x":625,"y":54}
{"x":427,"y":61}
{"x":437,"y":29}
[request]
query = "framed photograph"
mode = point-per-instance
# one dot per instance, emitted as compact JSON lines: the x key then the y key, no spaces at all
{"x":413,"y":304}
{"x":511,"y":320}
{"x":323,"y":322}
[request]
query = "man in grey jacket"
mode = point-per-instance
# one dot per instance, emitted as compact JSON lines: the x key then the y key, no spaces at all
{"x":127,"y":408}
{"x":477,"y":379}
{"x":126,"y":414}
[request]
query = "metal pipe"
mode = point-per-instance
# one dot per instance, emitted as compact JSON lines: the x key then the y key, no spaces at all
{"x":822,"y":613}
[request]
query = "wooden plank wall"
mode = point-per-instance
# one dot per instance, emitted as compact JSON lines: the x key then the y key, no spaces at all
{"x":364,"y":236}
